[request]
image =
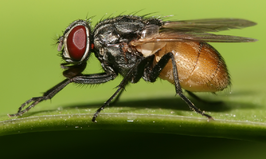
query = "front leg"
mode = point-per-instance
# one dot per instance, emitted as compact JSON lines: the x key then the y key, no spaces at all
{"x":84,"y":79}
{"x":155,"y":72}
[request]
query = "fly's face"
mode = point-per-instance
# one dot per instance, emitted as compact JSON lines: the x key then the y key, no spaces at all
{"x":75,"y":44}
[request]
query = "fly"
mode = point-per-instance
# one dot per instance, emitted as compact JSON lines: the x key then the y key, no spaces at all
{"x":144,"y":47}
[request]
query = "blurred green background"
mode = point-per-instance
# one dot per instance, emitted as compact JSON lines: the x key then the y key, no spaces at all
{"x":30,"y":64}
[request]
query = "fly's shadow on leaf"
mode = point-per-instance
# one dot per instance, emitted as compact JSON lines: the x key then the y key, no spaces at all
{"x":159,"y":103}
{"x":169,"y":103}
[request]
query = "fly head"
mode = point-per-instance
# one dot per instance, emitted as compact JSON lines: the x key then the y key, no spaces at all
{"x":75,"y":44}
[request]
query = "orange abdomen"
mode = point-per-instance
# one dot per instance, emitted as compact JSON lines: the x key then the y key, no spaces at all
{"x":200,"y":67}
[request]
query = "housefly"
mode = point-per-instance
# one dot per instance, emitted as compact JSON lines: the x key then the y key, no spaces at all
{"x":146,"y":47}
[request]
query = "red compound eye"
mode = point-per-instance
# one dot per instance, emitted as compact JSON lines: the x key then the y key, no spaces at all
{"x":76,"y":42}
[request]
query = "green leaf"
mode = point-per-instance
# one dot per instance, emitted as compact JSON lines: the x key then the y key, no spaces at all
{"x":149,"y":121}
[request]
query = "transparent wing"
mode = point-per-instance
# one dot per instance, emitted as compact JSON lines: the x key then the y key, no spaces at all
{"x":205,"y":25}
{"x":194,"y":30}
{"x":186,"y":37}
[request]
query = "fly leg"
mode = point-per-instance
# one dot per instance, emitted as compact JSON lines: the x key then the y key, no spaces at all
{"x":118,"y":96}
{"x":35,"y":100}
{"x":155,"y":72}
{"x":202,"y":100}
{"x":85,"y":79}
{"x":133,"y":75}
{"x":120,"y":87}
